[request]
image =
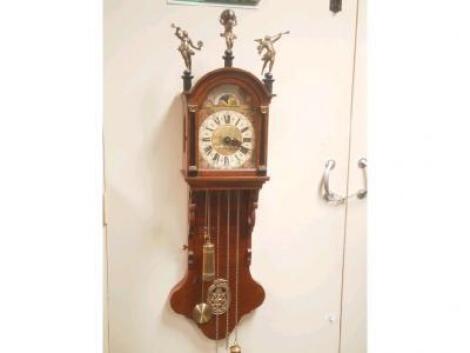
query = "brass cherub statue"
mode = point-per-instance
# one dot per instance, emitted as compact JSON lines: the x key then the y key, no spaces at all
{"x":270,"y":54}
{"x":228,"y":20}
{"x":186,"y":45}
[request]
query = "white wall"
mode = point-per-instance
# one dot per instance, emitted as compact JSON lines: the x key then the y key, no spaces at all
{"x":297,"y":257}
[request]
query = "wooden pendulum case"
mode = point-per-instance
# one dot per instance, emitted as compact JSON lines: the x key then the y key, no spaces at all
{"x":218,"y":288}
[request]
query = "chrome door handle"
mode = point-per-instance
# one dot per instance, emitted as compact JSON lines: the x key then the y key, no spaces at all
{"x":330,"y":196}
{"x":362,"y":193}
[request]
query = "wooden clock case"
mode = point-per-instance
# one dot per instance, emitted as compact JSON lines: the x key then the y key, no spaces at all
{"x":231,"y":197}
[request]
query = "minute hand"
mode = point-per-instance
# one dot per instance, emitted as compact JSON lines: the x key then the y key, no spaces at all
{"x":236,"y":143}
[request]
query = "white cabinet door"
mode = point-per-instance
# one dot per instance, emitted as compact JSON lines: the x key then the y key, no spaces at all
{"x":298,"y":238}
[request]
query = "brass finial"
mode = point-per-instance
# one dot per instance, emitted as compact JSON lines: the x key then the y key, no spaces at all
{"x":267,"y":43}
{"x":186,"y":47}
{"x":228,"y":20}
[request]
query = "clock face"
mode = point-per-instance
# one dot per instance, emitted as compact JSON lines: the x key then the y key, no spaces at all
{"x":226,"y":140}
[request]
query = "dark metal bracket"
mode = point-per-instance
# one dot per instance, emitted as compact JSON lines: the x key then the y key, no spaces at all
{"x":336,"y":5}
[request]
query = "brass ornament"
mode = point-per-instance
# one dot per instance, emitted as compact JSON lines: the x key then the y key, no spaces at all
{"x":186,"y":46}
{"x":227,"y":140}
{"x":202,"y":313}
{"x":267,"y":43}
{"x":228,"y":20}
{"x":192,"y":108}
{"x":218,"y":296}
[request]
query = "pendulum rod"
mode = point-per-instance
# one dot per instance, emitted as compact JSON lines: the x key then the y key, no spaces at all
{"x":217,"y":266}
{"x":228,"y":270}
{"x":236,"y":348}
{"x":237,"y":267}
{"x":206,"y":234}
{"x":202,"y":312}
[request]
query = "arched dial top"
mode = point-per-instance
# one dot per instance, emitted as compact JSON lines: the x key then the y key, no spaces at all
{"x":227,"y":140}
{"x":249,"y":82}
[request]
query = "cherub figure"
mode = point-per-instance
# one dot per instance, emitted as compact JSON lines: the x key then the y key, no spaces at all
{"x":186,"y":45}
{"x":269,"y":56}
{"x":228,"y":20}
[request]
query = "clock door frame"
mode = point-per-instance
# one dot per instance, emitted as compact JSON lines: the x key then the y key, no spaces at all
{"x":193,"y":102}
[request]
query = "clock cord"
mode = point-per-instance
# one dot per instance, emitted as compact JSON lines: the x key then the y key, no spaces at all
{"x":227,"y":336}
{"x":206,"y":234}
{"x":217,"y":267}
{"x":237,"y":267}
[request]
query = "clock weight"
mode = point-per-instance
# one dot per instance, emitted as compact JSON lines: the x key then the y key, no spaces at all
{"x":235,"y":349}
{"x":208,"y":261}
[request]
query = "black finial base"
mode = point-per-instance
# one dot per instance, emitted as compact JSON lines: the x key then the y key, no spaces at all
{"x":268,"y":82}
{"x":187,"y":80}
{"x":228,"y":58}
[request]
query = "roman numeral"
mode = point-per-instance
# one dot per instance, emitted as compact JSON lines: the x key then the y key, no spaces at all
{"x":208,"y":139}
{"x":244,"y":129}
{"x":236,"y":123}
{"x":226,"y":161}
{"x":208,"y":128}
{"x":247,"y":139}
{"x":217,"y":120}
{"x":208,"y":150}
{"x":244,"y":150}
{"x":227,"y":118}
{"x":216,"y":157}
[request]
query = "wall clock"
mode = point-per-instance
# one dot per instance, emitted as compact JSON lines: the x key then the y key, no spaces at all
{"x":226,"y":118}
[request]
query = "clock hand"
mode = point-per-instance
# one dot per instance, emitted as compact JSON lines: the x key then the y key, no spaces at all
{"x":231,"y":142}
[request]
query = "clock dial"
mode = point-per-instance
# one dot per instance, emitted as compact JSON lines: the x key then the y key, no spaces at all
{"x":226,"y":140}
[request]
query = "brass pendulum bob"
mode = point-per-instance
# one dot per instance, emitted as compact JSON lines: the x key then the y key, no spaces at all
{"x":235,"y":349}
{"x":202,"y":313}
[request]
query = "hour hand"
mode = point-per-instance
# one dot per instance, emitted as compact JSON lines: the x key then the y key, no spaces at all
{"x":231,"y":142}
{"x":236,"y":143}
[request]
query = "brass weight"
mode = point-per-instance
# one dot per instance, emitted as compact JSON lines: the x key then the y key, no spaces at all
{"x":208,"y":261}
{"x":202,"y":313}
{"x":235,"y":349}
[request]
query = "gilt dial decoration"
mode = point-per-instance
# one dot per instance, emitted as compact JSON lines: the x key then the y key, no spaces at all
{"x":226,"y":140}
